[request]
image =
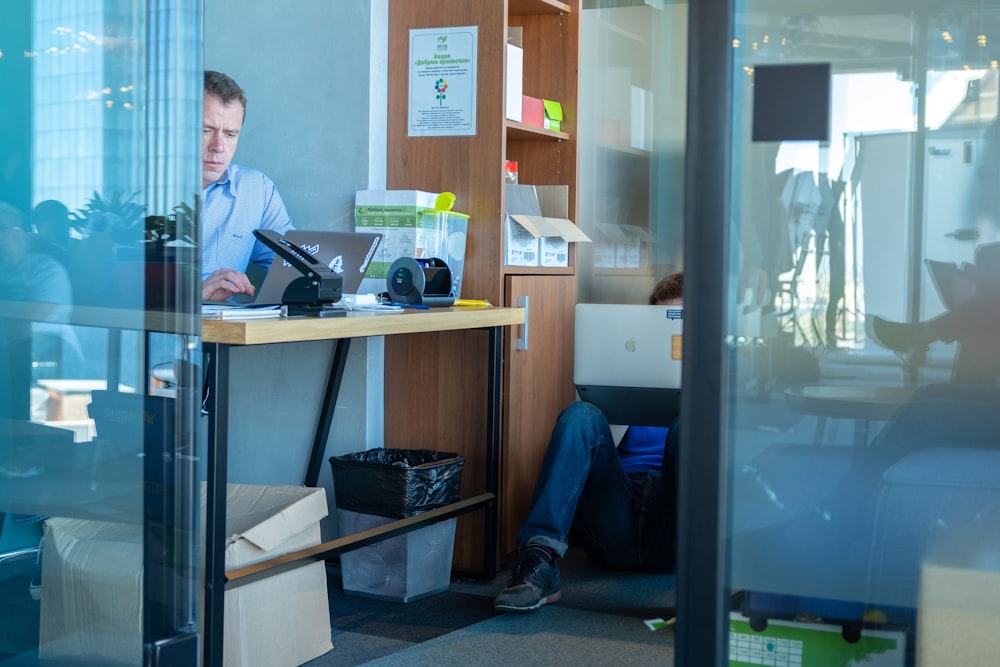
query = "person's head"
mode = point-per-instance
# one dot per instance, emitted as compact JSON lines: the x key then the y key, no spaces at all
{"x":225,"y":107}
{"x":50,"y":219}
{"x":669,"y":291}
{"x":13,"y":242}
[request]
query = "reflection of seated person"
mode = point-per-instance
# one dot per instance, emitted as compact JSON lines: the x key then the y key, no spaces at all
{"x":42,"y":284}
{"x":618,"y":501}
{"x":236,"y":200}
{"x":50,"y":219}
{"x":31,"y":277}
{"x":974,"y":323}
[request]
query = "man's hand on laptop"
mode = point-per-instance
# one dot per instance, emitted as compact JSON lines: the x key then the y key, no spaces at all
{"x":224,"y":284}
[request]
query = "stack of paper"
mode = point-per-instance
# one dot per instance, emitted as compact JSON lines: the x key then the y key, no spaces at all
{"x":226,"y":311}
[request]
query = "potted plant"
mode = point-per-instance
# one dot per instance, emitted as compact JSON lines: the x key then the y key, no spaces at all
{"x":116,"y":217}
{"x":140,"y":247}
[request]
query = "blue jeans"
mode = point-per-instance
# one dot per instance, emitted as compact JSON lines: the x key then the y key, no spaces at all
{"x":623,"y":521}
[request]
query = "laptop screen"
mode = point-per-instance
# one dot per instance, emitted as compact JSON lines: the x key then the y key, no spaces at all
{"x":627,"y":361}
{"x":348,"y":254}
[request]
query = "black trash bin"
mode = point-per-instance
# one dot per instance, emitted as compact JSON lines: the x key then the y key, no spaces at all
{"x":377,"y":486}
{"x":396,"y":483}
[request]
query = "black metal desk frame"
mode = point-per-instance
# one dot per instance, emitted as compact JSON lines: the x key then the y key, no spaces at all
{"x":216,"y":579}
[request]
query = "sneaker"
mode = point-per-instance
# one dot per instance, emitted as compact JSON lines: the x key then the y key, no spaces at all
{"x":906,"y":340}
{"x":533,"y":582}
{"x":35,"y":589}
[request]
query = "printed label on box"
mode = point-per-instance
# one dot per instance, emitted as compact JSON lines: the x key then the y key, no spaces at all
{"x":522,"y":245}
{"x":411,"y":226}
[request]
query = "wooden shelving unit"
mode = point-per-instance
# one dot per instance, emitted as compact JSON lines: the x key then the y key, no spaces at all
{"x":537,"y":382}
{"x":520,"y":131}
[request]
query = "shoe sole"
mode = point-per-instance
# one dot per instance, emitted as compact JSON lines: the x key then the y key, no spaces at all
{"x":549,"y":599}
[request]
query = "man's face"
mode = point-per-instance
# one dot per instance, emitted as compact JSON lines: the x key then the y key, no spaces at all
{"x":220,"y":135}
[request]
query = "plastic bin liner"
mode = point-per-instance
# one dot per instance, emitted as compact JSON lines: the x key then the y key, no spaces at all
{"x":396,"y":483}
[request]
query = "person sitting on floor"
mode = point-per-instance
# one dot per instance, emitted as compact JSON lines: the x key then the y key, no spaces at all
{"x":620,"y":502}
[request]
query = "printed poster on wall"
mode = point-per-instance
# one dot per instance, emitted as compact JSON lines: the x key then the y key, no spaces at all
{"x":443,"y":82}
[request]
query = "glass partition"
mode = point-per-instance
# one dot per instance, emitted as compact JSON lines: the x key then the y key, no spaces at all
{"x":863,"y":492}
{"x":100,"y":168}
{"x":633,"y":71}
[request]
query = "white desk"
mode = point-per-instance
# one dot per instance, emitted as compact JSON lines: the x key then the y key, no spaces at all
{"x":863,"y":404}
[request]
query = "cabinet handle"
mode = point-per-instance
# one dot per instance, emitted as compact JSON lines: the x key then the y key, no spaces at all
{"x":522,"y":341}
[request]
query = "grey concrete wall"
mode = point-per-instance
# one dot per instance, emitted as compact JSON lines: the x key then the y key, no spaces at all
{"x":314,"y":72}
{"x":305,"y":67}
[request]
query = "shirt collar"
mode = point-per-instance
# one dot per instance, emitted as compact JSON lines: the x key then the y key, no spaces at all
{"x":226,"y":180}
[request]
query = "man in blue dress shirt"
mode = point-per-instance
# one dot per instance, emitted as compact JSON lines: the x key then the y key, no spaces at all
{"x":619,"y":501}
{"x":236,"y":200}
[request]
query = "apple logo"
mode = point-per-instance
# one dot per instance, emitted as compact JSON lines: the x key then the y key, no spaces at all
{"x":630,"y":345}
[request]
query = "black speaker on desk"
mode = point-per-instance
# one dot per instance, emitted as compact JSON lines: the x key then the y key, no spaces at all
{"x":420,"y":282}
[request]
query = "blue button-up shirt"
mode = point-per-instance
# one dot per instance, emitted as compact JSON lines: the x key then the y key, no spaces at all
{"x":242,"y":200}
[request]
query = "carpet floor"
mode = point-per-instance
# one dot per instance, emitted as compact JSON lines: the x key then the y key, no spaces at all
{"x":599,"y":620}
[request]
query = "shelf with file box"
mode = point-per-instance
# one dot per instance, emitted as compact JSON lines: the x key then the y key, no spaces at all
{"x":537,"y":379}
{"x":618,"y":130}
{"x":520,"y":131}
{"x":618,"y":219}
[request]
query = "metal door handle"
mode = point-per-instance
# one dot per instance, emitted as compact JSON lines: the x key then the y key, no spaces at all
{"x":522,"y":341}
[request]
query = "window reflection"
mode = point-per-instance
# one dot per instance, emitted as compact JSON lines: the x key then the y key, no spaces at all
{"x":863,"y":400}
{"x":99,"y":137}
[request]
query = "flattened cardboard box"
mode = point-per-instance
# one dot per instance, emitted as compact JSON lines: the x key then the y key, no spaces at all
{"x":92,"y":584}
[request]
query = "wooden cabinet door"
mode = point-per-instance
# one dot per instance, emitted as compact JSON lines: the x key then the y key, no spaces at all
{"x":538,"y":384}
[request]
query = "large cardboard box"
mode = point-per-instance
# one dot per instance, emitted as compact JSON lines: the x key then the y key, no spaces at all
{"x":959,"y":612}
{"x":414,"y":224}
{"x":538,"y":229}
{"x":91,"y":606}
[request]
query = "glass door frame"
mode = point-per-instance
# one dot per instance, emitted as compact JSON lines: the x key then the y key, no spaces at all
{"x":702,"y":607}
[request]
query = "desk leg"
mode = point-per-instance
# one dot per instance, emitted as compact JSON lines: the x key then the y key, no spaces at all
{"x":495,"y":362}
{"x":491,"y":522}
{"x":860,"y":432}
{"x":114,"y":359}
{"x":215,"y":510}
{"x":820,"y":430}
{"x":322,"y":434}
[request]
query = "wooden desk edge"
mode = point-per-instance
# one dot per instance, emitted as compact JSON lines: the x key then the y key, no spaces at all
{"x":354,"y":325}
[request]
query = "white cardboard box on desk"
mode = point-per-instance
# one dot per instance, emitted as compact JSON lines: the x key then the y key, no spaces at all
{"x":404,"y":568}
{"x":414,"y":224}
{"x":92,"y":584}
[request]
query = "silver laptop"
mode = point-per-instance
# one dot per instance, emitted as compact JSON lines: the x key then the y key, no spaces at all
{"x":348,"y":254}
{"x":627,"y":361}
{"x":954,"y":285}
